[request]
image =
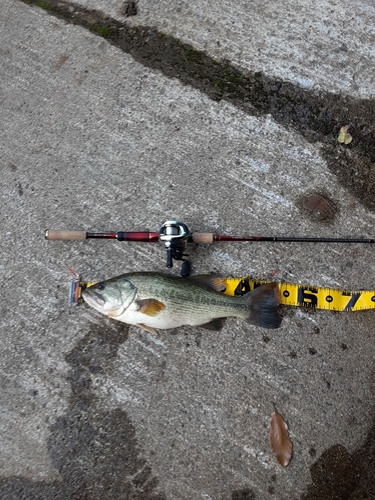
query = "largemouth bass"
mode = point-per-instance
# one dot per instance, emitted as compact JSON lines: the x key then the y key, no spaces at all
{"x":156,"y":300}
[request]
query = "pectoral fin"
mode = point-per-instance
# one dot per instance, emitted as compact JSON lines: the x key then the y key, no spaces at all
{"x":150,"y":307}
{"x":215,"y":324}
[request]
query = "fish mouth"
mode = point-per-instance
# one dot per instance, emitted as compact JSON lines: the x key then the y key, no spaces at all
{"x":97,"y":301}
{"x":94,"y":296}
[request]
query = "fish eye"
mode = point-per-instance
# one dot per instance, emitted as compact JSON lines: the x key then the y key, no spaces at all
{"x":101,"y":286}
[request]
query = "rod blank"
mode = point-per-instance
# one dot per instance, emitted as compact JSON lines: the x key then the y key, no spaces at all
{"x":293,"y":239}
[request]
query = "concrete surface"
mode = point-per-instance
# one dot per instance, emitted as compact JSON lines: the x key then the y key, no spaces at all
{"x":319,"y":44}
{"x":99,"y":134}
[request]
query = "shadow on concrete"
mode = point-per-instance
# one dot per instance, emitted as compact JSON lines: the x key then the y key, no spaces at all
{"x":95,"y":450}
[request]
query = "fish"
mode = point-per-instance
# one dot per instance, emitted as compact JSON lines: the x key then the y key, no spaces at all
{"x":154,"y":301}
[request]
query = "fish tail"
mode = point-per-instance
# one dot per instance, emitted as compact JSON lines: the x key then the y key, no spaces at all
{"x":263,"y":304}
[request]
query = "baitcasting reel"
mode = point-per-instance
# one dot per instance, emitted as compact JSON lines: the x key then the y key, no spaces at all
{"x":175,"y":236}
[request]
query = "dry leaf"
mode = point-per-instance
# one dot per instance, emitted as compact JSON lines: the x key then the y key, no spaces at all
{"x":344,"y":136}
{"x":281,"y":445}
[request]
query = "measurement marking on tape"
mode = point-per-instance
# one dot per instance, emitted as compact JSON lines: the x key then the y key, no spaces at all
{"x":310,"y":297}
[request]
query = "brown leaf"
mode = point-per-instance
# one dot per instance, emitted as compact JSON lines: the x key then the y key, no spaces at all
{"x":280,"y":443}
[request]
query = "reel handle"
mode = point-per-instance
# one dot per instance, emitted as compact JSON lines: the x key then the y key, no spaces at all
{"x":53,"y":234}
{"x":203,"y":238}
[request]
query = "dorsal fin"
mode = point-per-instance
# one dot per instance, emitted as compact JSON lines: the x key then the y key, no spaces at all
{"x":209,"y":281}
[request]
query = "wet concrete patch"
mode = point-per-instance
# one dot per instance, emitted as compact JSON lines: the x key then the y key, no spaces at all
{"x":95,"y":450}
{"x":318,"y":116}
{"x":339,"y":475}
{"x":245,"y":494}
{"x":318,"y":207}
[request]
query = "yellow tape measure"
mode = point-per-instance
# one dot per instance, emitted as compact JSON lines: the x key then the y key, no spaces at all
{"x":308,"y":296}
{"x":290,"y":294}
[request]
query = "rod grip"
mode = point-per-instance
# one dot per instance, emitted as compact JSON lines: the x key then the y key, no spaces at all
{"x":203,"y":238}
{"x":53,"y":234}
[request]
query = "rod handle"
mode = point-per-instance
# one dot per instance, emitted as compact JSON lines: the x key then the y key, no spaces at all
{"x":203,"y":238}
{"x":53,"y":234}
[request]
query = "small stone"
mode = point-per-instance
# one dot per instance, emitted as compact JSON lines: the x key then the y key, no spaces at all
{"x":129,"y":8}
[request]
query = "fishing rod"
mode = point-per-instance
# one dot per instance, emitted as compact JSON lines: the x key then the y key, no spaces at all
{"x":175,"y":236}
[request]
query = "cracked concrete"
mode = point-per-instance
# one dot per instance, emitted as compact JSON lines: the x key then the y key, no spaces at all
{"x":103,"y":134}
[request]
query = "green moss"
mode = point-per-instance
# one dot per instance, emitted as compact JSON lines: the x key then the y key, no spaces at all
{"x":43,"y":5}
{"x":104,"y":31}
{"x":193,"y":56}
{"x":221,"y":84}
{"x":236,"y":79}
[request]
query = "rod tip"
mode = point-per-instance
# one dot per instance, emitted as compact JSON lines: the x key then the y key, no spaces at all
{"x":46,"y":234}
